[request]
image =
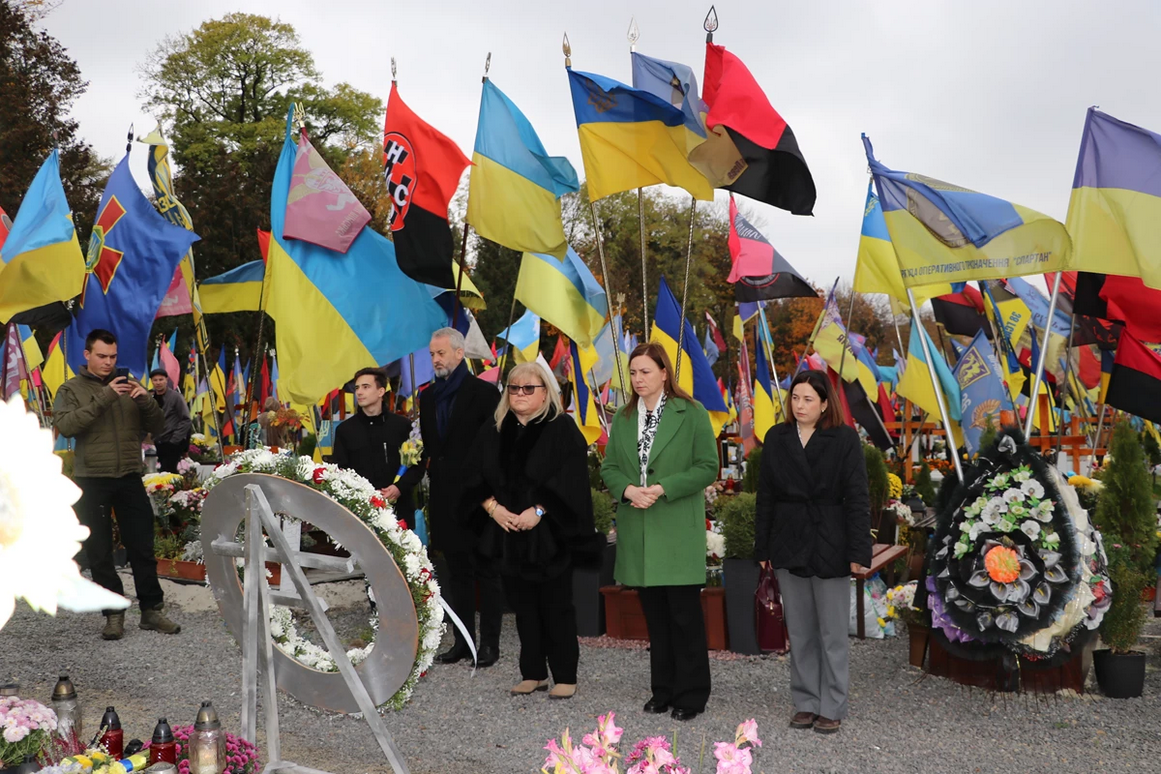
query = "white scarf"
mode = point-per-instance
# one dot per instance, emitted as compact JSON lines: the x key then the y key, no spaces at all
{"x":647,"y":422}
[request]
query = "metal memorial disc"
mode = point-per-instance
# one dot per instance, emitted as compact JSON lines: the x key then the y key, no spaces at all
{"x":390,"y":661}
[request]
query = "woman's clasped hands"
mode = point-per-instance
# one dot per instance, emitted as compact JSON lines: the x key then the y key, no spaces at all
{"x":643,"y":496}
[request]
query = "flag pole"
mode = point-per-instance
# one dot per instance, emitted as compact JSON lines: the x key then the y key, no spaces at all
{"x":507,"y":342}
{"x":685,"y":292}
{"x":1067,"y":378}
{"x":633,"y":34}
{"x":850,"y":312}
{"x":766,"y":342}
{"x":1034,"y":396}
{"x":464,"y":241}
{"x":953,"y":450}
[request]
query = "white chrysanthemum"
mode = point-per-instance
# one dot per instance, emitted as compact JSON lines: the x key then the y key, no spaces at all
{"x":411,"y":566}
{"x":39,"y":533}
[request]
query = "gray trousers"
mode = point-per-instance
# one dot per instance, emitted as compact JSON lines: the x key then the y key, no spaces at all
{"x":818,"y":614}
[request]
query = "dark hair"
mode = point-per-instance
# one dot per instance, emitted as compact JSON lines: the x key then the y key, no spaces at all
{"x":380,"y":377}
{"x":832,"y":415}
{"x":99,"y":334}
{"x":656,"y":353}
{"x":158,"y":372}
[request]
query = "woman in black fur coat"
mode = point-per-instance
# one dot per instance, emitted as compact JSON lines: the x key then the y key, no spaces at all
{"x":530,"y":474}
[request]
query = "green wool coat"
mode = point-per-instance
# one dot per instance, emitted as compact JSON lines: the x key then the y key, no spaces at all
{"x":665,"y":544}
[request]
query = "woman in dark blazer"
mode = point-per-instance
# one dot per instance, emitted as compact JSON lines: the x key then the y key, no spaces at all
{"x":529,"y":479}
{"x":661,"y":456}
{"x":813,"y":526}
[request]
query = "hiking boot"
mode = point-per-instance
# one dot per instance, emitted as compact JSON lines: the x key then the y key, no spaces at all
{"x":156,"y":620}
{"x":114,"y":626}
{"x":826,"y":725}
{"x":803,"y":720}
{"x":526,"y":687}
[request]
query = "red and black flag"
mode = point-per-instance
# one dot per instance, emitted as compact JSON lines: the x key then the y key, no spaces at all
{"x":962,"y":313}
{"x":422,"y":168}
{"x":1135,"y":383}
{"x":759,"y":272}
{"x":776,"y":172}
{"x":1119,"y":301}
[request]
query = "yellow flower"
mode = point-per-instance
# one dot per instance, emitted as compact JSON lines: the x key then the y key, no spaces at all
{"x":882,"y":623}
{"x":890,"y":611}
{"x":894,"y":486}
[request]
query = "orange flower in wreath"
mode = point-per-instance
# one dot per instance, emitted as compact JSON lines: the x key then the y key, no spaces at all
{"x":1002,"y":564}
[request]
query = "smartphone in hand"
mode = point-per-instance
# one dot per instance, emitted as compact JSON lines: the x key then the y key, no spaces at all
{"x":121,"y":373}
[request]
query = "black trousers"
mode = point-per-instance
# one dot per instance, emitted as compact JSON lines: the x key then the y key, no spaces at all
{"x":169,"y":454}
{"x":464,"y":571}
{"x":546,"y":623}
{"x":125,"y":496}
{"x":678,"y":654}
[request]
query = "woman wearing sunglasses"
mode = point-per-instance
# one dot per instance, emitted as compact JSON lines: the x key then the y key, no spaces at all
{"x":660,"y":458}
{"x":531,"y":477}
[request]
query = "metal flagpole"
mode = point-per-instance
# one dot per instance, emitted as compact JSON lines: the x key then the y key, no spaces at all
{"x":1067,"y":380}
{"x":464,"y":241}
{"x":850,"y":311}
{"x":953,"y":451}
{"x":633,"y":34}
{"x":685,"y":292}
{"x":1034,"y":396}
{"x":766,"y":342}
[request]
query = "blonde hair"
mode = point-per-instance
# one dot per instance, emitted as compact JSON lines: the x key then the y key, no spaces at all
{"x":550,"y":409}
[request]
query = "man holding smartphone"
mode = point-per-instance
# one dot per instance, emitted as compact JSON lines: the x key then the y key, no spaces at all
{"x":109,"y":414}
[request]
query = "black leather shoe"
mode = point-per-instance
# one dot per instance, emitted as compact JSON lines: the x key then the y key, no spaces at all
{"x":487,"y":656}
{"x":656,"y":707}
{"x":458,"y":652}
{"x":684,"y":714}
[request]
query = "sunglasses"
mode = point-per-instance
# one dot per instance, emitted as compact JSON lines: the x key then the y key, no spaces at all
{"x":524,"y":389}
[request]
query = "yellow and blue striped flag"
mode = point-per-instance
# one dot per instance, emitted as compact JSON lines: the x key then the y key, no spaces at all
{"x":524,"y":337}
{"x":237,"y":290}
{"x":695,"y":375}
{"x":630,"y":139}
{"x":515,"y":187}
{"x":765,"y":415}
{"x":565,"y":293}
{"x":584,"y":406}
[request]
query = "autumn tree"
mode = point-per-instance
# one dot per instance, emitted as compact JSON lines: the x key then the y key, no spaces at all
{"x":39,"y":83}
{"x":223,"y":91}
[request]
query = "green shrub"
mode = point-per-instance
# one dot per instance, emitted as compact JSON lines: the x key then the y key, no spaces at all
{"x":595,"y":480}
{"x":736,"y":515}
{"x":1126,"y":615}
{"x":1151,"y":447}
{"x":604,"y":510}
{"x":307,"y":445}
{"x":877,"y":481}
{"x":753,"y":470}
{"x":1126,"y":516}
{"x":924,"y":486}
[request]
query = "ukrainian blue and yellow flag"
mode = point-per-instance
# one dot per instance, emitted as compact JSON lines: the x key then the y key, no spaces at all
{"x":515,"y":186}
{"x":944,"y":233}
{"x":523,"y":336}
{"x":584,"y":406}
{"x":56,"y":371}
{"x":982,"y":394}
{"x":41,"y":260}
{"x":33,"y":357}
{"x":630,"y":139}
{"x":745,"y":311}
{"x":237,"y":290}
{"x":565,"y":293}
{"x":877,"y":268}
{"x":763,"y":401}
{"x":696,"y":377}
{"x":915,"y":383}
{"x":336,"y":312}
{"x":1114,"y":214}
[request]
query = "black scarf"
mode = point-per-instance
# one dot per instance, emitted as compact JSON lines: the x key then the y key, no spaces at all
{"x":444,"y":391}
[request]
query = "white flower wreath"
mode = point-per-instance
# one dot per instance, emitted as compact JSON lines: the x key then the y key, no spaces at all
{"x":356,"y":494}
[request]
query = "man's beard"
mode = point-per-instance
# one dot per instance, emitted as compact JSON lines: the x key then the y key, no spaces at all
{"x":443,"y":373}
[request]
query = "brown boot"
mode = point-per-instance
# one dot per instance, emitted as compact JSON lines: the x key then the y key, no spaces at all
{"x":156,"y":620}
{"x":826,"y":725}
{"x":526,"y":687}
{"x":803,"y":720}
{"x":562,"y":691}
{"x":114,"y":626}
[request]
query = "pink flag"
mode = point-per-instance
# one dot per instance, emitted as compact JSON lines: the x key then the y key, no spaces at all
{"x":14,"y":366}
{"x":752,"y":253}
{"x":320,"y":208}
{"x":176,"y":299}
{"x":170,"y":364}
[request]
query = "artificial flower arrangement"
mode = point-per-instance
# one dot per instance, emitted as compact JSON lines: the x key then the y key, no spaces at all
{"x":356,"y":494}
{"x":597,"y":753}
{"x":715,"y":551}
{"x":286,"y":417}
{"x":411,"y":452}
{"x":1016,"y":565}
{"x":177,"y":500}
{"x":26,"y":726}
{"x":894,"y":487}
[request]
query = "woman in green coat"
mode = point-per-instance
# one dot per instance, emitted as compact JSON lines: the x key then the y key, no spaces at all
{"x":661,"y":456}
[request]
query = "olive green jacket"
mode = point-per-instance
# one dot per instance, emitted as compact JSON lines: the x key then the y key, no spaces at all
{"x":665,"y":544}
{"x":108,"y":427}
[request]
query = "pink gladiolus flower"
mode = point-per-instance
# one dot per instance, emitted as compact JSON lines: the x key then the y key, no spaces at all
{"x":556,"y":756}
{"x":748,"y":732}
{"x":609,"y":729}
{"x":732,"y":760}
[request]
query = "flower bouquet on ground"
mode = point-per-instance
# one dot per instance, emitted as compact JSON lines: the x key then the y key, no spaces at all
{"x":597,"y":753}
{"x":202,"y":451}
{"x":715,"y":551}
{"x":25,"y":729}
{"x":241,"y":756}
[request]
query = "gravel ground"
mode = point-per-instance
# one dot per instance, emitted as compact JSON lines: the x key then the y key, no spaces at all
{"x":901,"y":720}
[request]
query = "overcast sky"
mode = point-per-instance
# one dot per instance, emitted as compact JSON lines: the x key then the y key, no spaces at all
{"x":987,"y":95}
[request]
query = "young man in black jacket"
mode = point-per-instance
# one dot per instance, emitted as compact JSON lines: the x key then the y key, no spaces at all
{"x":368,"y":443}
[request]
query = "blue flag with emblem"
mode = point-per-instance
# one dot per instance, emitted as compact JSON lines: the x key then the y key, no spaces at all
{"x":133,"y":253}
{"x":981,"y":390}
